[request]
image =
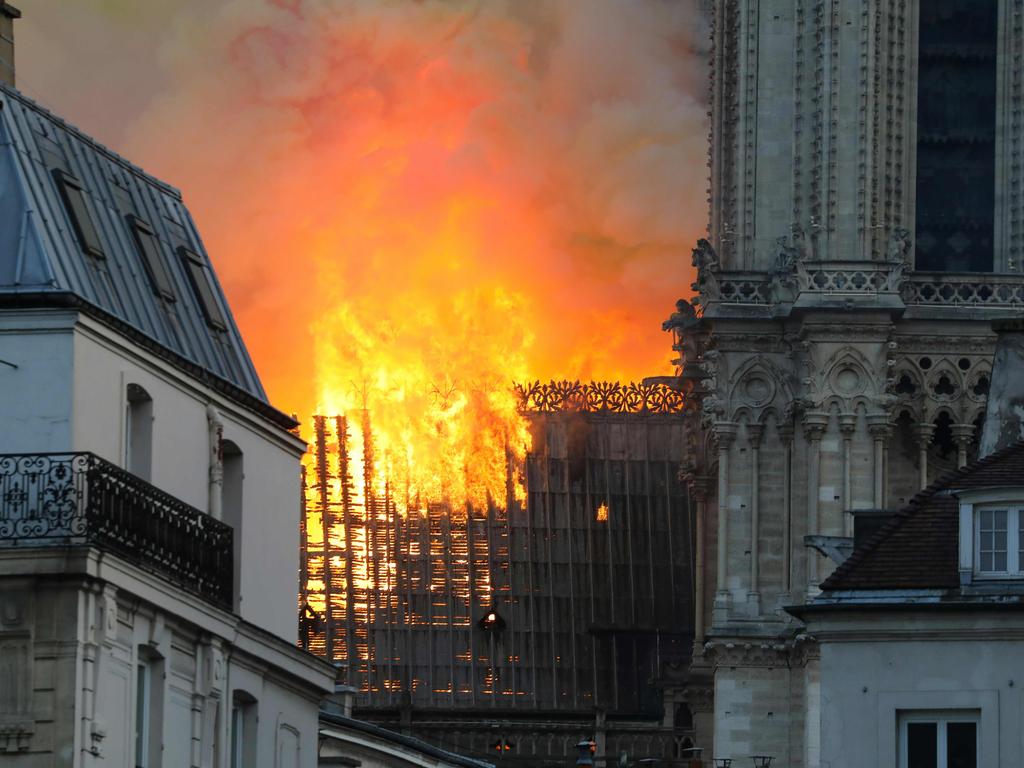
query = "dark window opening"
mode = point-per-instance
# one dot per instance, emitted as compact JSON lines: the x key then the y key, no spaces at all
{"x":905,"y":385}
{"x":231,"y":504}
{"x":152,"y":260}
{"x":956,"y":125}
{"x":944,"y":386}
{"x":203,"y":287}
{"x":73,"y":194}
{"x":138,"y":442}
{"x":942,"y":437}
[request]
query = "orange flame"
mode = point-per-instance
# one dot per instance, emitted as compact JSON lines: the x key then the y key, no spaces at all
{"x":412,"y":205}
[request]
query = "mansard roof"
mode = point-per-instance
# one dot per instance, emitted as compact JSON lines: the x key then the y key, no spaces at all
{"x":44,"y":262}
{"x":918,"y":547}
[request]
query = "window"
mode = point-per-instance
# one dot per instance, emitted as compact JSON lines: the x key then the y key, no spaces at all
{"x":73,"y":193}
{"x":143,"y":681}
{"x":998,"y":539}
{"x":938,"y":740}
{"x":148,"y":710}
{"x":152,"y":260}
{"x":205,"y":294}
{"x":231,"y":505}
{"x":138,"y":438}
{"x":243,"y":730}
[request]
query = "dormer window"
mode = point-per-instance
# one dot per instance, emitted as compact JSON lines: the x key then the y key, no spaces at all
{"x":152,"y":259}
{"x":73,"y":194}
{"x":203,"y":287}
{"x":991,"y":535}
{"x":997,"y":542}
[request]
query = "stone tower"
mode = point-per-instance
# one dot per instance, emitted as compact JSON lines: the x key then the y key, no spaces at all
{"x":866,"y":223}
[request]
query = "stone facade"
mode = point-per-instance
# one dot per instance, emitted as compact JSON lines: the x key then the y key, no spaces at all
{"x":824,"y":373}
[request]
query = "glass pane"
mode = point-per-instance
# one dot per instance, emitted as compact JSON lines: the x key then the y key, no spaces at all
{"x":956,"y":134}
{"x":961,"y":745}
{"x":1020,"y":547}
{"x":922,"y":745}
{"x":141,"y":714}
{"x":152,"y":259}
{"x":236,"y":737}
{"x":78,"y":211}
{"x":992,"y":540}
{"x":999,"y":561}
{"x":204,"y":290}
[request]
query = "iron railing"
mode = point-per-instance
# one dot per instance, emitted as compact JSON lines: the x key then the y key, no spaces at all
{"x":71,"y":499}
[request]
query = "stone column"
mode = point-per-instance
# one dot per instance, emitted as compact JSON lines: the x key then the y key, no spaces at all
{"x":924,"y":439}
{"x":847,"y":426}
{"x":754,"y":433}
{"x":962,"y":435}
{"x":878,"y":426}
{"x":815,"y":424}
{"x":699,"y":486}
{"x":786,"y":436}
{"x":725,"y":434}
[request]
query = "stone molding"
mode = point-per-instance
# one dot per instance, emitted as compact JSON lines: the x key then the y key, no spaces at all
{"x":728,"y":653}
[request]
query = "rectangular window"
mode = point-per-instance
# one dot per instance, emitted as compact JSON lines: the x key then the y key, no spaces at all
{"x":999,"y":542}
{"x":73,"y":194}
{"x":243,"y":730}
{"x":152,"y":259}
{"x":237,"y":736}
{"x":143,"y":684}
{"x":956,"y":132}
{"x":938,"y":740}
{"x":203,"y":287}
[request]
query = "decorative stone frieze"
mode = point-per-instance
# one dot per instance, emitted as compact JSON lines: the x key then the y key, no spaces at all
{"x":729,"y":653}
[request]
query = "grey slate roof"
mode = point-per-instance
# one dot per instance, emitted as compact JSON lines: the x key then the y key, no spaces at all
{"x":41,"y":258}
{"x":918,"y":547}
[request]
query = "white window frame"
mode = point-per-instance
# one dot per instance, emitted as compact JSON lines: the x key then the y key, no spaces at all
{"x":941,"y":718}
{"x":1013,"y":518}
{"x":1010,"y":500}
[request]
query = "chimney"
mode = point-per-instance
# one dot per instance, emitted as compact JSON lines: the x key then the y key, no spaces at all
{"x":1004,"y":415}
{"x":8,"y":13}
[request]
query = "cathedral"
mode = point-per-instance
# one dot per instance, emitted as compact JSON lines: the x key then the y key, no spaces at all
{"x":866,"y":226}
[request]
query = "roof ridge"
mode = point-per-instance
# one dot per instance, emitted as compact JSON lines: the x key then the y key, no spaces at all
{"x":121,"y":160}
{"x":908,"y":510}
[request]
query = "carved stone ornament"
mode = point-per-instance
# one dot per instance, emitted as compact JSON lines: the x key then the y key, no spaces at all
{"x":706,"y":261}
{"x":898,"y":247}
{"x":740,"y":654}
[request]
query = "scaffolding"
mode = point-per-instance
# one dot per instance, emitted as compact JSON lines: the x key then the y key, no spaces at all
{"x":571,"y":602}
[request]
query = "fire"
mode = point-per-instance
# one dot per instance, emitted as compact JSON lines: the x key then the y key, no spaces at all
{"x":414,"y":205}
{"x":434,"y":390}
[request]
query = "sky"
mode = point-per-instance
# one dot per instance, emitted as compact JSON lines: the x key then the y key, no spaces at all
{"x":410,"y":202}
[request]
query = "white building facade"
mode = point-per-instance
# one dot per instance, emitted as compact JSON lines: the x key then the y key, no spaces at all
{"x":866,"y":223}
{"x":149,"y":494}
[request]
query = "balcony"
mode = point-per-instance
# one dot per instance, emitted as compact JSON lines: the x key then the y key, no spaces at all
{"x":79,"y":499}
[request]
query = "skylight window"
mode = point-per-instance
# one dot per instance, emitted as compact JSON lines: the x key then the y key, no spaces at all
{"x":72,"y":192}
{"x":203,"y":287}
{"x":152,"y":259}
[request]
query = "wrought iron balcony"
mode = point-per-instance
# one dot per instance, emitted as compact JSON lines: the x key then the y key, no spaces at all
{"x":78,"y":499}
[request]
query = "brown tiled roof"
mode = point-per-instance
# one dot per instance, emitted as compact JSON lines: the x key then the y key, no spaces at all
{"x":918,"y":548}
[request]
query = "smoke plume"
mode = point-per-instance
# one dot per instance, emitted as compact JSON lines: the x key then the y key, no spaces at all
{"x":410,"y":202}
